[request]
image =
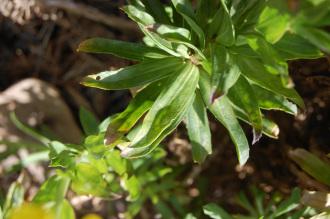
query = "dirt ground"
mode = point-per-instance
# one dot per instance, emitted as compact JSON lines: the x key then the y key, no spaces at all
{"x":42,"y":44}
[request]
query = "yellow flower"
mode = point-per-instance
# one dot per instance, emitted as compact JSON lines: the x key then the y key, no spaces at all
{"x":30,"y":211}
{"x":92,"y":216}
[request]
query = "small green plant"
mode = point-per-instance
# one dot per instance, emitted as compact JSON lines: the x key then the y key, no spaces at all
{"x":227,"y":57}
{"x":92,"y":169}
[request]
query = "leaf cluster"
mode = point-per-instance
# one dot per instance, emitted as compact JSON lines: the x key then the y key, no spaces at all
{"x":226,"y":57}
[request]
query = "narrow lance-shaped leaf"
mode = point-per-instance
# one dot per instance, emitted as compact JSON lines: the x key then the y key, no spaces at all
{"x":205,"y":12}
{"x":224,"y":72}
{"x":226,"y":31}
{"x":171,"y":32}
{"x":174,"y":99}
{"x":271,"y":58}
{"x":271,"y":101}
{"x":139,"y":15}
{"x":312,"y":165}
{"x":143,"y":151}
{"x":145,"y":21}
{"x":126,"y":50}
{"x":123,"y":122}
{"x":318,"y":37}
{"x":242,"y":95}
{"x":199,"y":130}
{"x":88,"y":121}
{"x":184,"y":8}
{"x":254,"y":70}
{"x":172,"y":48}
{"x":157,"y":10}
{"x":223,"y":111}
{"x":134,"y":76}
{"x":292,"y":46}
{"x":269,"y":127}
{"x":249,"y":18}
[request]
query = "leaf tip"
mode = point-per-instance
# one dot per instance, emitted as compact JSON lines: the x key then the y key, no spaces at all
{"x":257,"y":134}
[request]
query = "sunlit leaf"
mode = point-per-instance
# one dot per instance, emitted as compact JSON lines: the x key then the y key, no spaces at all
{"x":134,"y":76}
{"x":223,"y":111}
{"x":168,"y":109}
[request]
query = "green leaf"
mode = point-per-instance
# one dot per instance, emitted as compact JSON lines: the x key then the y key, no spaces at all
{"x":215,"y":212}
{"x":161,"y":43}
{"x":61,"y":155}
{"x":317,"y":16}
{"x":66,"y":211}
{"x":223,"y":111}
{"x":199,"y":130}
{"x":317,"y":37}
{"x":226,"y":31}
{"x":242,"y":95}
{"x":205,"y":12}
{"x":269,"y":128}
{"x":254,"y":70}
{"x":132,"y":185}
{"x":167,"y":111}
{"x":87,"y":180}
{"x":271,"y":101}
{"x":312,"y":165}
{"x":134,"y":76}
{"x":224,"y":72}
{"x":138,"y":15}
{"x":88,"y":121}
{"x":172,"y":48}
{"x":270,"y":57}
{"x":157,"y":10}
{"x":273,"y":24}
{"x":124,"y":122}
{"x":293,"y":46}
{"x":288,"y":205}
{"x":247,"y":14}
{"x":116,"y":162}
{"x":171,"y":32}
{"x":126,"y":50}
{"x":15,"y":196}
{"x":184,"y":8}
{"x":52,"y":194}
{"x":51,"y":190}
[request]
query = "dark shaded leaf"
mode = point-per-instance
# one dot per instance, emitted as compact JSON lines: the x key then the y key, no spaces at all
{"x":199,"y":130}
{"x":242,"y":95}
{"x":88,"y":121}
